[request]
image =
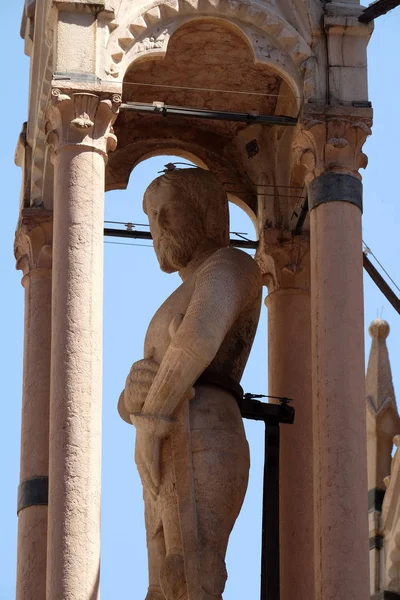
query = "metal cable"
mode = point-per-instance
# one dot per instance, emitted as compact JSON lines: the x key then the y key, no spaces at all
{"x":127,"y":244}
{"x":369,"y":251}
{"x":196,"y":89}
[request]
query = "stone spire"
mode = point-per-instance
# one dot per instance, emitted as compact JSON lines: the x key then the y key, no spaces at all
{"x":382,"y":425}
{"x":382,"y":417}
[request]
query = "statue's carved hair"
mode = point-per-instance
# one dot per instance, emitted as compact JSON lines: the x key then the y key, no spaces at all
{"x":203,"y":191}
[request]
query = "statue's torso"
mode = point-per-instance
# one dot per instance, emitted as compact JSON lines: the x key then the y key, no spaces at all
{"x":232,"y":356}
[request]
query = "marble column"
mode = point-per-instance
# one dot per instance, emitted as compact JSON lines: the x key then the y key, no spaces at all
{"x":33,"y":254}
{"x":80,"y":132}
{"x":339,"y":390}
{"x":289,"y":374}
{"x":330,"y":144}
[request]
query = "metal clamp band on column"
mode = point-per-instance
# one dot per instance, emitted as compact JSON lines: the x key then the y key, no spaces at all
{"x":33,"y":492}
{"x":335,"y":187}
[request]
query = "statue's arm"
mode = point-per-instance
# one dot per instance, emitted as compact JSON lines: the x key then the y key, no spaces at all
{"x":224,"y":287}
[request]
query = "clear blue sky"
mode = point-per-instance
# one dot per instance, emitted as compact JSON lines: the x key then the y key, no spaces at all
{"x":134,"y":288}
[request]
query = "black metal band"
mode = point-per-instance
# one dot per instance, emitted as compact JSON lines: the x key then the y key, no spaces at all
{"x":335,"y":187}
{"x":33,"y":492}
{"x":375,"y":499}
{"x":386,"y":596}
{"x":376,"y":542}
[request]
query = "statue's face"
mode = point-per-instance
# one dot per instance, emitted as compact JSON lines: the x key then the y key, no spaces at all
{"x":176,"y":228}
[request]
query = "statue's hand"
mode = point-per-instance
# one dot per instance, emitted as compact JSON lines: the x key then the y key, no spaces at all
{"x":138,"y":384}
{"x":151,"y":430}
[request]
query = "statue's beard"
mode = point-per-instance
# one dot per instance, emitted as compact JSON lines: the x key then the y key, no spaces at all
{"x":174,"y":251}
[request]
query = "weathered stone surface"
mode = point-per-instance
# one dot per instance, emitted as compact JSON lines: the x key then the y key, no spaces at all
{"x":191,"y":449}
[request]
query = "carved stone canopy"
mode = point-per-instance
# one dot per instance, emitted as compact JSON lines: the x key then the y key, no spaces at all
{"x":195,"y":69}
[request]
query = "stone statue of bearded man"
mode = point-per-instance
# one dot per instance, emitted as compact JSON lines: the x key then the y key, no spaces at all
{"x":191,"y":450}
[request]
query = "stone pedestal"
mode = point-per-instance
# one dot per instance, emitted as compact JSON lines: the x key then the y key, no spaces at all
{"x":33,"y":253}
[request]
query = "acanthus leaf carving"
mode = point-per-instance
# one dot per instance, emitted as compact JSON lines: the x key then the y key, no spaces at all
{"x":84,"y":119}
{"x":33,"y":240}
{"x":283,"y":259}
{"x":332,"y":141}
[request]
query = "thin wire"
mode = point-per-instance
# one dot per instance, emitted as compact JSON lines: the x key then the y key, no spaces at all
{"x":244,"y":193}
{"x":248,"y":250}
{"x":291,"y":187}
{"x":127,"y":244}
{"x":146,"y":225}
{"x":242,"y":236}
{"x":369,"y":251}
{"x":128,"y":223}
{"x":196,"y":89}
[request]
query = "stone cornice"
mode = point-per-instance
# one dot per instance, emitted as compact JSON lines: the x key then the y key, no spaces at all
{"x":33,"y":240}
{"x":83,"y":6}
{"x":82,"y":119}
{"x":330,"y":138}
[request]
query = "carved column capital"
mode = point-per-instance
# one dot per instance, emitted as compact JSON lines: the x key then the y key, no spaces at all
{"x":284,"y":260}
{"x":33,"y":241}
{"x":82,"y":119}
{"x":331,"y":140}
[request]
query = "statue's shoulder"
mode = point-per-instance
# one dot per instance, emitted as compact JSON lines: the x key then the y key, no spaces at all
{"x":236,"y":261}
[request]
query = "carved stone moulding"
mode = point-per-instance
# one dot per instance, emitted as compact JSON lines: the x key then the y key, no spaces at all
{"x":331,"y":139}
{"x":146,"y":32}
{"x":283,"y":259}
{"x":33,"y":240}
{"x":83,"y":119}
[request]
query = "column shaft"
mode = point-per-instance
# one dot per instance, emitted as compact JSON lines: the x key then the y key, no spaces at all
{"x":289,"y":366}
{"x":341,"y":534}
{"x":32,"y":520}
{"x":76,"y":376}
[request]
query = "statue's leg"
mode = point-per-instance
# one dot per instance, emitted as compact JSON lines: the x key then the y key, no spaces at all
{"x":172,"y":578}
{"x":155,"y":547}
{"x":221,"y":468}
{"x":221,"y":483}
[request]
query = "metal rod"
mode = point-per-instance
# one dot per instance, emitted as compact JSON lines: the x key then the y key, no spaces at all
{"x":146,"y":235}
{"x":165,"y":110}
{"x":270,"y":569}
{"x":381,"y":283}
{"x":377,"y":9}
{"x":253,"y":245}
{"x":302,"y":217}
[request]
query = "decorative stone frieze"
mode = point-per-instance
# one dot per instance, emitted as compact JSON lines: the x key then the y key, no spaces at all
{"x":82,"y":119}
{"x":332,"y":140}
{"x":33,"y":240}
{"x":283,"y":260}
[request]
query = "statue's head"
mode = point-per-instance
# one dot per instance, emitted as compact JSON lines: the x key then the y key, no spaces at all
{"x":186,"y":207}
